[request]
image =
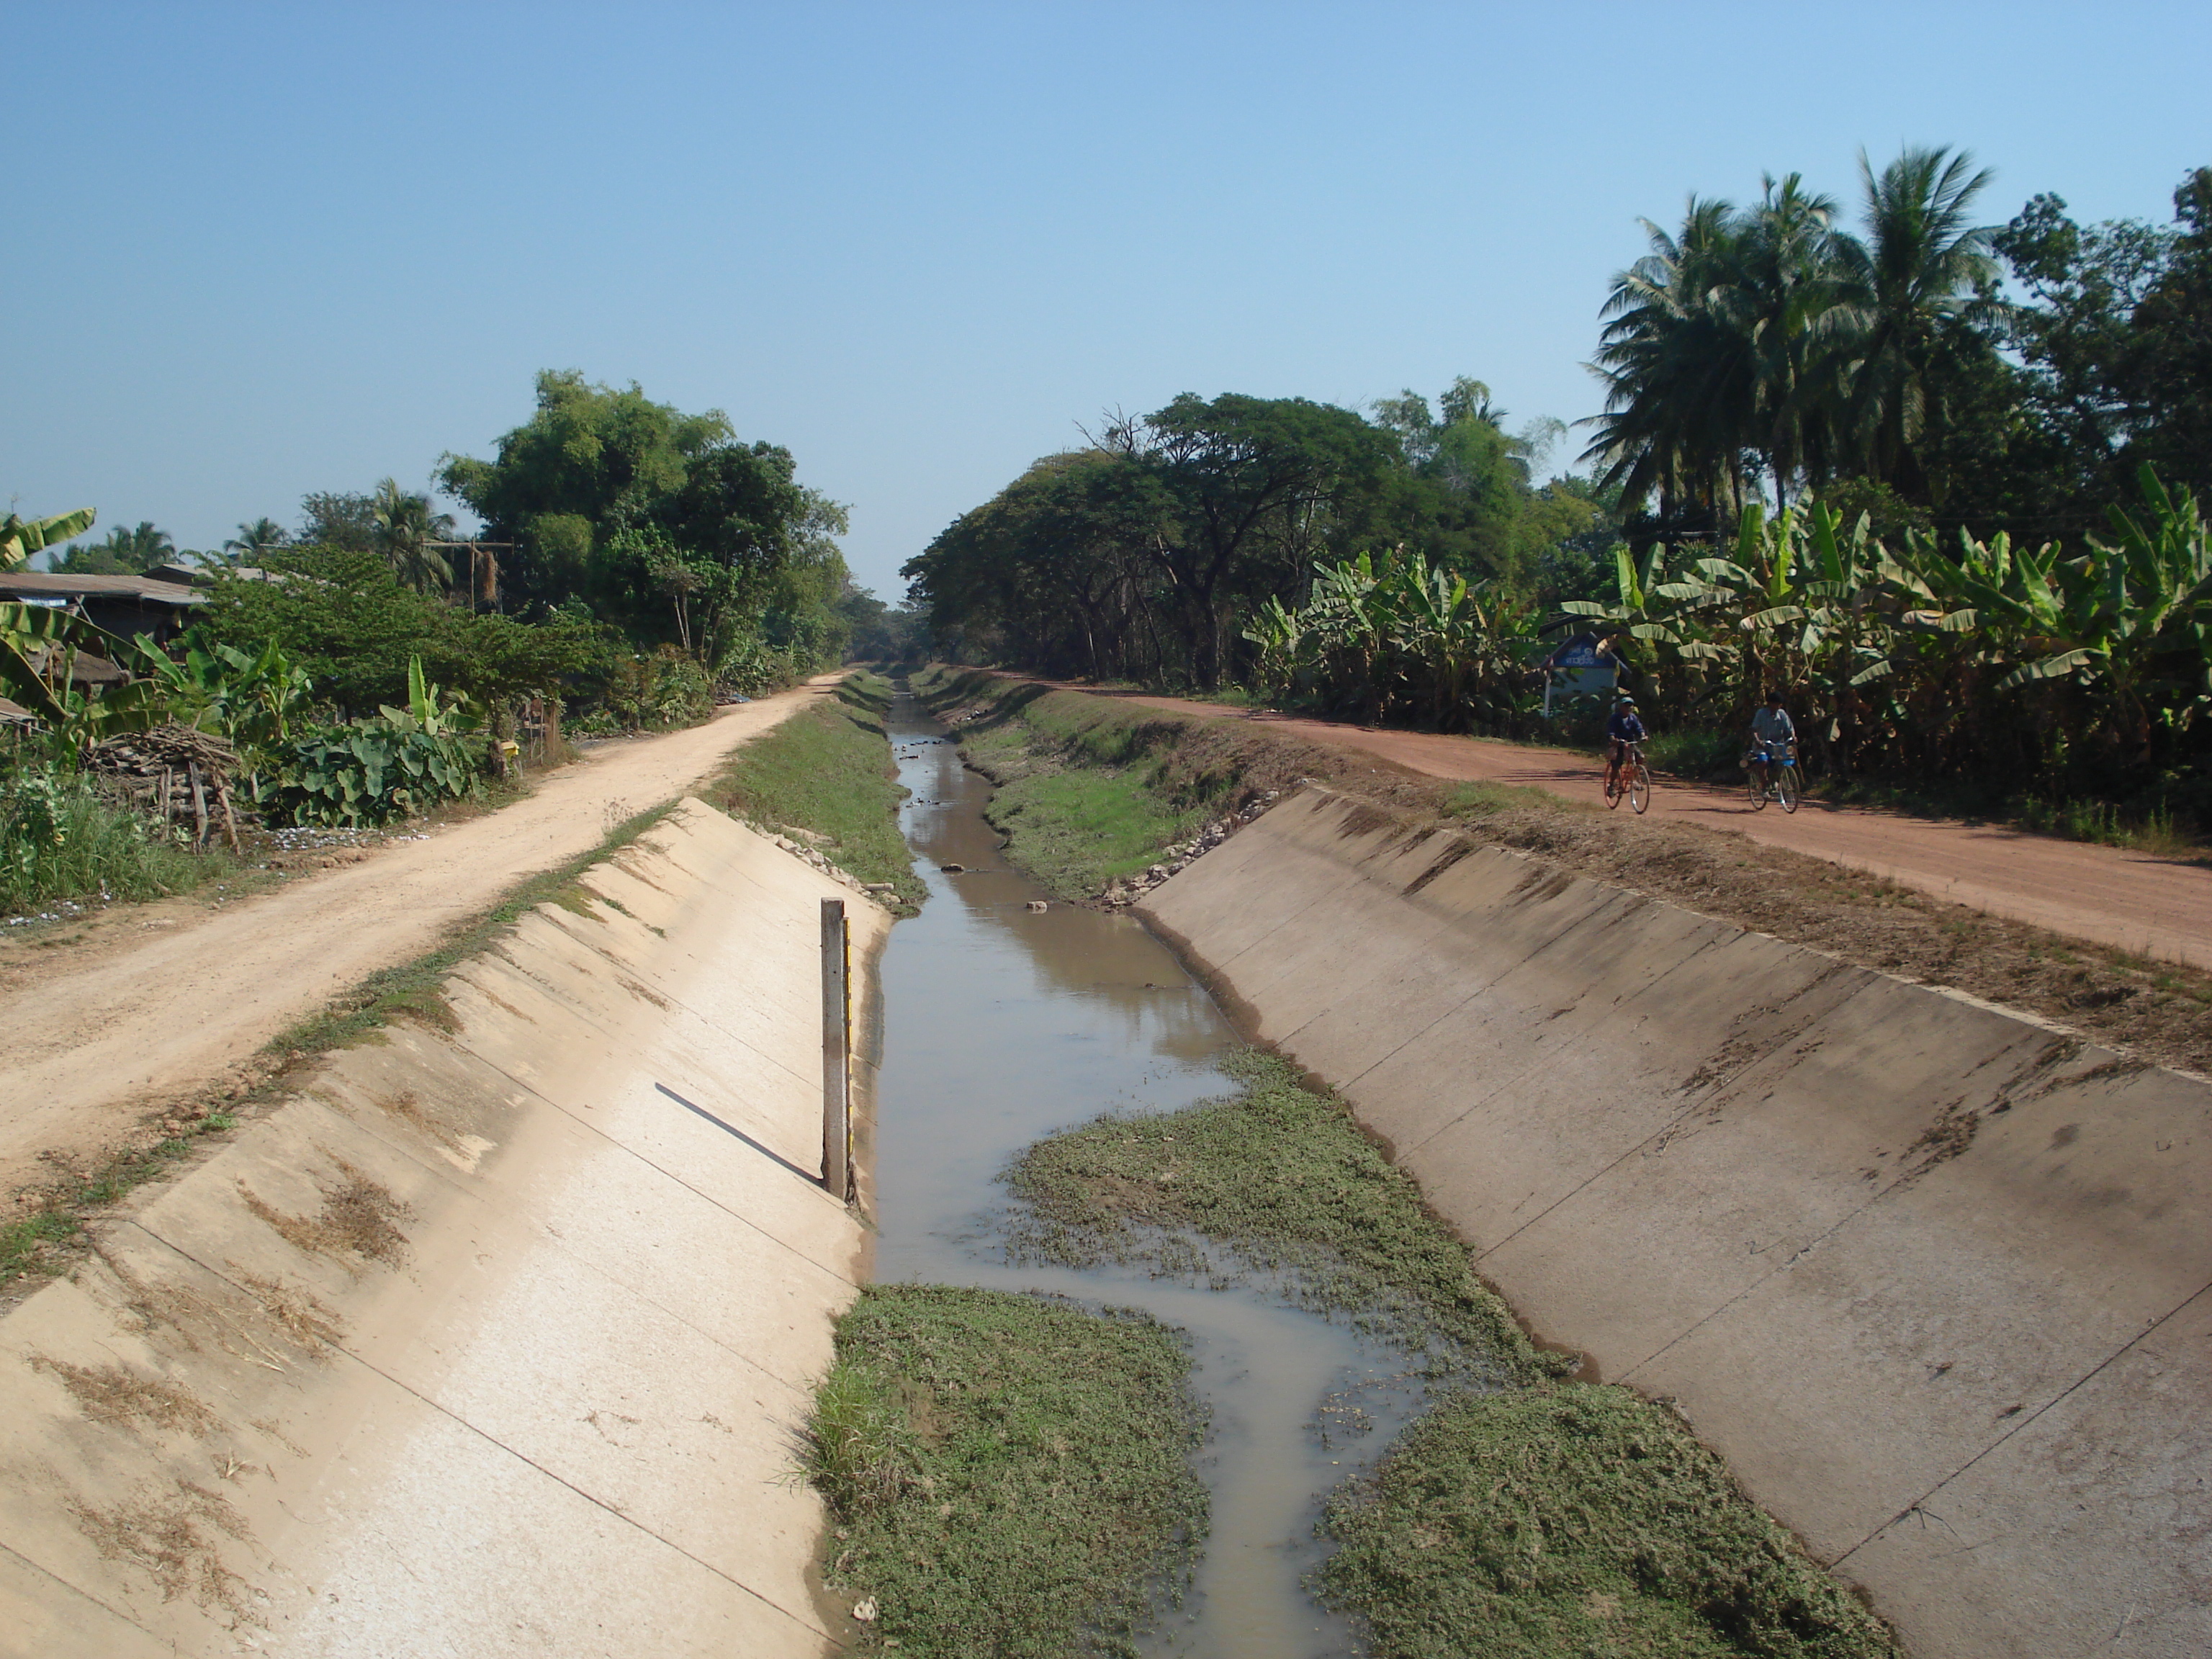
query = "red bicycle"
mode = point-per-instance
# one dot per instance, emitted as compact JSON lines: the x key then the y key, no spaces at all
{"x":1631,"y":779}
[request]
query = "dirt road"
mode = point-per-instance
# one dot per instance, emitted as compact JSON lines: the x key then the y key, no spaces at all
{"x":2153,"y":906}
{"x":92,"y":1047}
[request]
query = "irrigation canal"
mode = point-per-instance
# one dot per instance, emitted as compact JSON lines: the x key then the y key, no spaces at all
{"x":1002,"y":1024}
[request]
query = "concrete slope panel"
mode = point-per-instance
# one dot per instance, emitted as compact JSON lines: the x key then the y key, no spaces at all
{"x":494,"y":1340}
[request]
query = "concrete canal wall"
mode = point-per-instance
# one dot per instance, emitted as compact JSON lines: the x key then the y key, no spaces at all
{"x":492,"y":1341}
{"x":1931,"y":1274}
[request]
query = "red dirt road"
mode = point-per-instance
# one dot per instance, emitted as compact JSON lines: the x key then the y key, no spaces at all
{"x":2141,"y":903}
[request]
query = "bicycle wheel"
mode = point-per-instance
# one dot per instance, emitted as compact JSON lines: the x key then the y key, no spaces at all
{"x":1785,"y":788}
{"x":1755,"y":787}
{"x":1639,"y":788}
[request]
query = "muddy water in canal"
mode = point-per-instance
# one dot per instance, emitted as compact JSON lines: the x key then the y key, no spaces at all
{"x":1002,"y":1024}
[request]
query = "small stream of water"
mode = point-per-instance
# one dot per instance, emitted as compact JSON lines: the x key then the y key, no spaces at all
{"x":1002,"y":1024}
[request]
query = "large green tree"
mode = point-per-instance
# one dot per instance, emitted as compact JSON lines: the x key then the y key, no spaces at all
{"x":1253,"y":487}
{"x":662,"y":521}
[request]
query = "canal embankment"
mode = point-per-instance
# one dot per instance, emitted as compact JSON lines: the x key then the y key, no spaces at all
{"x":494,"y":1338}
{"x":1929,"y":1272}
{"x":1100,"y":792}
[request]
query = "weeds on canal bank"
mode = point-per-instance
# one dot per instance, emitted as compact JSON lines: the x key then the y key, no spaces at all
{"x":1008,"y":1476}
{"x":1550,"y":1519}
{"x":1576,"y":1520}
{"x":829,"y":770}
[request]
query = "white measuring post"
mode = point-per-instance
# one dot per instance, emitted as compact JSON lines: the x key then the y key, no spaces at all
{"x":837,"y":1051}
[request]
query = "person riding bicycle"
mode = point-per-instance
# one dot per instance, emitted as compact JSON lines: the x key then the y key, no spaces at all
{"x":1624,"y":727}
{"x":1771,"y":735}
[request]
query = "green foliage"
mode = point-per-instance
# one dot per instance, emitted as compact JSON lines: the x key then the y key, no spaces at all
{"x":121,"y":552}
{"x":60,"y":840}
{"x":396,"y":764}
{"x":1010,"y":1475}
{"x":253,"y":699}
{"x":828,"y":768}
{"x":1692,"y":753}
{"x":593,"y":461}
{"x":1400,"y":640}
{"x":39,"y":648}
{"x":343,"y":617}
{"x":2030,"y":669}
{"x":1768,"y":341}
{"x":878,"y":633}
{"x":402,"y":529}
{"x":1579,"y":1519}
{"x":657,"y":692}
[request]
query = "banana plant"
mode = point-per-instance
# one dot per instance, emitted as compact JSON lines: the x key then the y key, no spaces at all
{"x":38,"y":646}
{"x":20,"y":539}
{"x":253,"y":699}
{"x":2144,"y":609}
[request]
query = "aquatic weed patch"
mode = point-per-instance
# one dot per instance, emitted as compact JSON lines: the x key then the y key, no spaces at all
{"x":1281,"y":1178}
{"x":1570,"y":1521}
{"x":1010,"y":1475}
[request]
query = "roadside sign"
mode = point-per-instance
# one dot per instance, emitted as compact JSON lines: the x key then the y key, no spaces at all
{"x":1578,"y":668}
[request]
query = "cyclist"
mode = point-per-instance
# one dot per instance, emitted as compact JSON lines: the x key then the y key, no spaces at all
{"x":1624,"y":728}
{"x":1772,"y":734}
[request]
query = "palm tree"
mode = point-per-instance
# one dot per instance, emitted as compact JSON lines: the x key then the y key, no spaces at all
{"x":120,"y":553}
{"x":256,"y":539}
{"x":405,"y":528}
{"x":1676,"y":376}
{"x":1786,"y":303}
{"x":1922,"y":276}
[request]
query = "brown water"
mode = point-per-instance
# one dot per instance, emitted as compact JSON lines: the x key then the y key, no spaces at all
{"x":1002,"y":1024}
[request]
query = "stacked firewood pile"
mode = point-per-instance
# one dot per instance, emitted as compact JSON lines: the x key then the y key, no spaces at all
{"x":172,"y":773}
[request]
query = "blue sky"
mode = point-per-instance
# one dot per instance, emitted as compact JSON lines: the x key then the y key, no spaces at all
{"x":265,"y":250}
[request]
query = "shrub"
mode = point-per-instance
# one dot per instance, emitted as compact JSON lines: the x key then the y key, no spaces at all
{"x":1698,"y":754}
{"x":396,"y":764}
{"x":59,"y":839}
{"x":657,"y":692}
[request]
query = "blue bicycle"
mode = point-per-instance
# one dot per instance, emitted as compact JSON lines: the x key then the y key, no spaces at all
{"x":1772,"y":775}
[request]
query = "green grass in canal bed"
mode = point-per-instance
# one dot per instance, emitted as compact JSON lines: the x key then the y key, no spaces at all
{"x":1088,"y":791}
{"x":1571,"y":1521}
{"x":1008,"y":1476}
{"x":829,"y":769}
{"x":1282,"y":1178}
{"x":1549,"y":1520}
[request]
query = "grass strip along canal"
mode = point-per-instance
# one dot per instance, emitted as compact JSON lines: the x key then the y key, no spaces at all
{"x":1164,"y":1357}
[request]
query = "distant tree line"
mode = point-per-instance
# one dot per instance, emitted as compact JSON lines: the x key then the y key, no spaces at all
{"x":614,"y":529}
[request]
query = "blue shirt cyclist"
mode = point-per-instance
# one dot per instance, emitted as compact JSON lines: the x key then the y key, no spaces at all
{"x":1771,"y":730}
{"x":1624,"y":727}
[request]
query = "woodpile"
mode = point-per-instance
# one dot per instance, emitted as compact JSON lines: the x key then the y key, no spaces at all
{"x":172,"y":773}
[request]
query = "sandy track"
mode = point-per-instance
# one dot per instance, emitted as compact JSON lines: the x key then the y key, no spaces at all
{"x":90,"y":1048}
{"x":2138,"y":902}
